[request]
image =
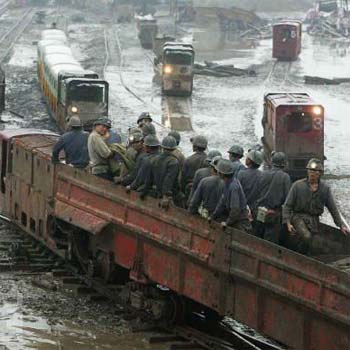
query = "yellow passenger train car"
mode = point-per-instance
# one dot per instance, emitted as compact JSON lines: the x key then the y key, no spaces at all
{"x":68,"y":88}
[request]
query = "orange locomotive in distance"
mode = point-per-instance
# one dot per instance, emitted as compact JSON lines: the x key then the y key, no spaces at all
{"x":301,"y":302}
{"x":287,"y":37}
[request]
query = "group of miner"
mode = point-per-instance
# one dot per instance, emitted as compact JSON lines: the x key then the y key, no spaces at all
{"x":262,"y":202}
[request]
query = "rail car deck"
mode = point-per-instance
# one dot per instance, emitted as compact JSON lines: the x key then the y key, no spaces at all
{"x":294,"y":299}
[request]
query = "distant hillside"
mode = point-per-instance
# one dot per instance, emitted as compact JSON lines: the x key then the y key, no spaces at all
{"x":258,"y":5}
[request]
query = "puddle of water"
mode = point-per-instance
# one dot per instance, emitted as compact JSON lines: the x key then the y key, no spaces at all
{"x":19,"y":331}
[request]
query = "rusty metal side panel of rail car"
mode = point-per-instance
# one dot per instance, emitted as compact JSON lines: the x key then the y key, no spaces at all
{"x":294,"y":299}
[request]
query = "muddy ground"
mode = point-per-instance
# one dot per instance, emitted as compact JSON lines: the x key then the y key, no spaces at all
{"x":226,"y":110}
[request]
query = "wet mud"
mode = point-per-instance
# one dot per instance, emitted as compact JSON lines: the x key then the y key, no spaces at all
{"x":226,"y":110}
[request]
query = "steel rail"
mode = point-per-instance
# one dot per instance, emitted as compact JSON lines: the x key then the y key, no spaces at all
{"x":152,"y":107}
{"x":21,"y":25}
{"x":220,"y":337}
{"x":4,"y":7}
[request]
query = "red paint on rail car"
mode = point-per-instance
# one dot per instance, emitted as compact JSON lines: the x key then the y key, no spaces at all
{"x":296,"y":300}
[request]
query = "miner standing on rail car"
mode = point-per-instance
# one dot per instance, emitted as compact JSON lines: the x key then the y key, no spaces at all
{"x":137,"y":154}
{"x":144,"y":122}
{"x":208,"y":193}
{"x":134,"y":143}
{"x":194,"y":162}
{"x":305,"y":204}
{"x":165,"y":175}
{"x":273,"y":189}
{"x":203,"y":172}
{"x":250,"y":176}
{"x":177,"y":152}
{"x":75,"y":145}
{"x":236,"y":154}
{"x":112,"y":136}
{"x":232,"y":207}
{"x":151,"y":146}
{"x":99,"y":152}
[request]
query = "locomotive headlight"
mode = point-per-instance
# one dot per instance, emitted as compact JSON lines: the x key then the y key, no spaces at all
{"x":317,"y":110}
{"x":74,"y":109}
{"x":168,"y":69}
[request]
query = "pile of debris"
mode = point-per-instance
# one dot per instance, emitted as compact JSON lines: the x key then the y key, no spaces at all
{"x":221,"y":70}
{"x":329,"y":18}
{"x":314,"y":80}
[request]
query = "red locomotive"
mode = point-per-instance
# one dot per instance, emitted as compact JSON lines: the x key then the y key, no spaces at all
{"x":287,"y":40}
{"x":294,"y":124}
{"x":296,"y":300}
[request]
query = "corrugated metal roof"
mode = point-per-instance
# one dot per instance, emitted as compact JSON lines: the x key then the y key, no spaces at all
{"x":50,"y":42}
{"x":66,"y":68}
{"x":52,"y":33}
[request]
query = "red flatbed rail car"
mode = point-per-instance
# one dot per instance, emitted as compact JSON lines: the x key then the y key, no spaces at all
{"x":294,"y":299}
{"x":287,"y":37}
{"x":294,"y":124}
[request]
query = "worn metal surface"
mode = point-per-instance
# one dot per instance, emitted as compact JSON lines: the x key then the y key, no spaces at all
{"x":294,"y":299}
{"x":292,"y":126}
{"x":287,"y":40}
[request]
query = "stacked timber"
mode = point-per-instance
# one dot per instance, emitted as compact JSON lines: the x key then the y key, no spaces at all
{"x":314,"y":80}
{"x":221,"y":70}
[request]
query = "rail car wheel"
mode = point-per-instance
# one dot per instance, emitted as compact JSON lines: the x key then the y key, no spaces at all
{"x":104,"y":266}
{"x":79,"y":249}
{"x":177,"y":310}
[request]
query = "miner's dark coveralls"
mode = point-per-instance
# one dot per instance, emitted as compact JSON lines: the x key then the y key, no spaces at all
{"x":249,"y":179}
{"x":75,"y":146}
{"x":206,"y":196}
{"x":273,"y":187}
{"x":162,"y":176}
{"x":232,"y":206}
{"x":194,"y":162}
{"x":145,"y":170}
{"x":198,"y":176}
{"x":237,"y":167}
{"x":131,"y":176}
{"x":303,"y":207}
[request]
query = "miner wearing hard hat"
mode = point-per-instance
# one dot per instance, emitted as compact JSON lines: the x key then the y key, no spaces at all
{"x":232,"y":207}
{"x":272,"y":190}
{"x":305,"y":204}
{"x":74,"y":143}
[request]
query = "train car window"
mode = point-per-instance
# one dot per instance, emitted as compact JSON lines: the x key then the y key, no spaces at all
{"x":3,"y":165}
{"x":286,"y":34}
{"x":87,"y":92}
{"x":181,"y":58}
{"x":299,"y":122}
{"x":24,"y":219}
{"x":10,"y":160}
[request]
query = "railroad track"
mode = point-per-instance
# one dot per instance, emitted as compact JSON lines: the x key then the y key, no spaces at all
{"x":21,"y":254}
{"x":176,"y":112}
{"x":279,"y":73}
{"x":8,"y":40}
{"x":4,"y":6}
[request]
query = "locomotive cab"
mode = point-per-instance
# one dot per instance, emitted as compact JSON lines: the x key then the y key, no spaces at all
{"x":287,"y":37}
{"x":177,"y":69}
{"x":86,"y":98}
{"x":294,"y":124}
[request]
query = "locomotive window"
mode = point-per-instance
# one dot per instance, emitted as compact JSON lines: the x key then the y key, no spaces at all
{"x":87,"y":92}
{"x":286,"y":34}
{"x":182,"y":58}
{"x":299,"y":122}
